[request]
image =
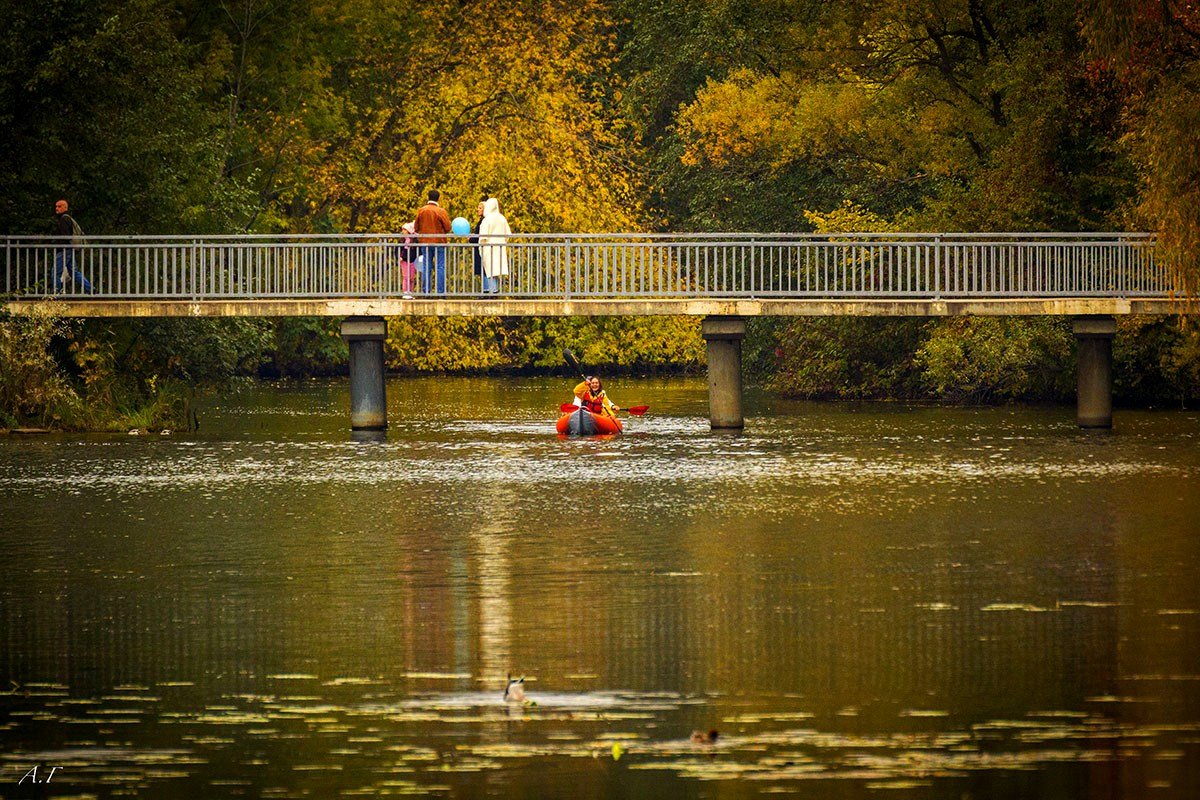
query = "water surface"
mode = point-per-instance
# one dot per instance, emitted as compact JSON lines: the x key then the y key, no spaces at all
{"x":863,"y":601}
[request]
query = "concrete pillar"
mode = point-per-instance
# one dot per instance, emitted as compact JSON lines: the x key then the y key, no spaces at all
{"x":1094,"y":337}
{"x":723,"y":336}
{"x":368,"y":398}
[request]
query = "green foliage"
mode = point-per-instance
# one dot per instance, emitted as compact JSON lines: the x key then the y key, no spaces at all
{"x":106,"y":376}
{"x":32,"y":389}
{"x":1157,"y":360}
{"x":305,"y":346}
{"x":848,"y":358}
{"x":151,"y":369}
{"x":969,"y":359}
{"x":204,"y":352}
{"x":100,"y":104}
{"x":990,"y":359}
{"x":101,"y":375}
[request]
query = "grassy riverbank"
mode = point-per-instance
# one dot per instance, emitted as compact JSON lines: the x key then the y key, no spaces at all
{"x":115,"y":376}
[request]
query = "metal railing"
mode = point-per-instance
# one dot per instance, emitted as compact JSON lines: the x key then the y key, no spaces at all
{"x":617,"y":266}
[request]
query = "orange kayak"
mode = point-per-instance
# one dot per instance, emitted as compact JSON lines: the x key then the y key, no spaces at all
{"x":585,"y":423}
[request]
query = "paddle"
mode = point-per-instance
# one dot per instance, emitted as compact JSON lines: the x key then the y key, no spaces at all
{"x":637,"y":411}
{"x":573,"y":363}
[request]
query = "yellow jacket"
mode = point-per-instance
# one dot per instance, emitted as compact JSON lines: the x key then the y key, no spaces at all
{"x":595,"y":404}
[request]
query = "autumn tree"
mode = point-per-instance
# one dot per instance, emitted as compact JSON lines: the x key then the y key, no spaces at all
{"x":399,"y":97}
{"x":952,"y":115}
{"x":1150,"y":51}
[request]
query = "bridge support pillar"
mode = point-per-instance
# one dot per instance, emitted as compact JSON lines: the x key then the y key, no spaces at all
{"x":368,"y":398}
{"x":723,"y":336}
{"x":1094,"y":336}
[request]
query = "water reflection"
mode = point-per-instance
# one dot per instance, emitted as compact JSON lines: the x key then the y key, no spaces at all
{"x":492,"y":579}
{"x":917,"y":600}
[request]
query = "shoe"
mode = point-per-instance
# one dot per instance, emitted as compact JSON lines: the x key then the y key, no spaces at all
{"x":406,"y":296}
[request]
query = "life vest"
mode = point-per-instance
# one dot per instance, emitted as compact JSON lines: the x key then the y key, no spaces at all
{"x":593,"y":404}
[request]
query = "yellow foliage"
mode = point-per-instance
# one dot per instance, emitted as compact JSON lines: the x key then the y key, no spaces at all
{"x":779,"y":118}
{"x":443,"y":344}
{"x":849,"y":217}
{"x":915,"y":98}
{"x":457,"y":344}
{"x":499,"y":97}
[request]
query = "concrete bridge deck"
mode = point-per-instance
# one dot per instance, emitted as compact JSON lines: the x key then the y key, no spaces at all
{"x":72,"y":306}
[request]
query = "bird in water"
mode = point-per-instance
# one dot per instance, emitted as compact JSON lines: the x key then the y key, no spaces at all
{"x":700,"y":737}
{"x":515,"y":691}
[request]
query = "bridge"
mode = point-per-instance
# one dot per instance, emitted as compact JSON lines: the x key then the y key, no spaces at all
{"x":724,"y":278}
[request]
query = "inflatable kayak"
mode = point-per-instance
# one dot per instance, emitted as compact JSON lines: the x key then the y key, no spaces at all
{"x":585,"y":423}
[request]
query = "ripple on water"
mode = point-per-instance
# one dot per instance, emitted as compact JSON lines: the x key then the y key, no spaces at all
{"x":471,"y":462}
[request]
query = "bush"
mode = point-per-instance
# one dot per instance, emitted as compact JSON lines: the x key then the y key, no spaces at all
{"x":494,"y":344}
{"x":847,"y":358}
{"x":999,"y":359}
{"x":307,"y":346}
{"x":1157,"y":360}
{"x":32,"y":388}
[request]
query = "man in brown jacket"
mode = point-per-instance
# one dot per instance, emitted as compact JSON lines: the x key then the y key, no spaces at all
{"x":433,"y":223}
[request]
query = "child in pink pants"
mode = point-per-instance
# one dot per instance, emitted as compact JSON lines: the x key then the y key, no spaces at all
{"x":408,"y":258}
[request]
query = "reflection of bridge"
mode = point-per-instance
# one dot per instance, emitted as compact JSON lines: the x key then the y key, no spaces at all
{"x":722,"y":277}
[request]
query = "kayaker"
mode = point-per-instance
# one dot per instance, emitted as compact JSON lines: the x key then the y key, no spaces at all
{"x":590,"y":394}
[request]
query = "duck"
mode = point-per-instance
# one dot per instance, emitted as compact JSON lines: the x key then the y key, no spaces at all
{"x":700,"y":737}
{"x":514,"y":692}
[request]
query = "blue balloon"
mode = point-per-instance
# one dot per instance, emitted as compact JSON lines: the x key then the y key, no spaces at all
{"x":460,"y":226}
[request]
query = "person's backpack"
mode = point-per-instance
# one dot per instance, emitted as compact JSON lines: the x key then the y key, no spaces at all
{"x":76,"y":231}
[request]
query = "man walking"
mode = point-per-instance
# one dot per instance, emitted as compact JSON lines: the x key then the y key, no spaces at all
{"x":68,"y":231}
{"x":433,"y":223}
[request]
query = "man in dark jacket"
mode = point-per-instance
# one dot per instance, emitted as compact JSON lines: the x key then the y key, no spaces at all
{"x":68,"y":231}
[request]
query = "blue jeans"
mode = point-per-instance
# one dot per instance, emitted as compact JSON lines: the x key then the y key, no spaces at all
{"x":491,"y":285}
{"x":64,"y":261}
{"x":437,"y":254}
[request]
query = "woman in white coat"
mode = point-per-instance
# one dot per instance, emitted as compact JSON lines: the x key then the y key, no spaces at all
{"x":493,"y":247}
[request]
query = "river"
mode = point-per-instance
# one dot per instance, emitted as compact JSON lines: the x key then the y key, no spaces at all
{"x":862,"y":600}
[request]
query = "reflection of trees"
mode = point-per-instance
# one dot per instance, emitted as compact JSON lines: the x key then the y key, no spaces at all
{"x":843,"y":612}
{"x":493,"y":570}
{"x":495,"y":611}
